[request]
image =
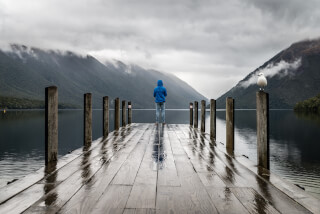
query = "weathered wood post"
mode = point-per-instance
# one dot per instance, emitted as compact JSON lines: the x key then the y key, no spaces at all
{"x":105,"y":116}
{"x":87,"y":119}
{"x":212,"y":119}
{"x":116,"y":114}
{"x":51,"y":126}
{"x":129,"y":112}
{"x":195,"y":115}
{"x":191,"y":114}
{"x":124,"y":113}
{"x":263,"y":129}
{"x":230,"y":124}
{"x":203,"y":115}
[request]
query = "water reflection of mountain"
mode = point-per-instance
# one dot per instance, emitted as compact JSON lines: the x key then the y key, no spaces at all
{"x":285,"y":128}
{"x":308,"y":116}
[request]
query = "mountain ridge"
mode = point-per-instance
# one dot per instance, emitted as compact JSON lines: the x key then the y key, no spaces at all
{"x":25,"y":72}
{"x":293,"y":75}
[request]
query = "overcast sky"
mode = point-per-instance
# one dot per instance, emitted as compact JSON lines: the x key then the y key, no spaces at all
{"x":210,"y":44}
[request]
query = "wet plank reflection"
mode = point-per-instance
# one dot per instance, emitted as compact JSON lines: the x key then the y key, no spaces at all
{"x":147,"y":168}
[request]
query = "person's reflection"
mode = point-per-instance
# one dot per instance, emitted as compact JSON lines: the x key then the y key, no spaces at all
{"x":161,"y":154}
{"x":50,"y":183}
{"x":155,"y":146}
{"x":86,"y":164}
{"x":158,"y":153}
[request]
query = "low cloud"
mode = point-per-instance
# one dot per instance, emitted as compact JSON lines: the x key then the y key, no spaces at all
{"x":210,"y":44}
{"x":281,"y":69}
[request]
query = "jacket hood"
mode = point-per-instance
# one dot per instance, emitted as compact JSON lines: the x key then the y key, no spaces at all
{"x":160,"y":83}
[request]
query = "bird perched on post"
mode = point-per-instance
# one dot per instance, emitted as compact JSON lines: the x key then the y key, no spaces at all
{"x":262,"y":81}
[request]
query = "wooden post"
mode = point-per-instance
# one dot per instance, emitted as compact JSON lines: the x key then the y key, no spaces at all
{"x":116,"y":114}
{"x":124,"y":113}
{"x":230,"y":124}
{"x":195,"y":115}
{"x":203,"y":115}
{"x":263,"y":129}
{"x":191,"y":114}
{"x":129,"y":112}
{"x":87,"y":119}
{"x":212,"y":119}
{"x":51,"y":126}
{"x":105,"y":116}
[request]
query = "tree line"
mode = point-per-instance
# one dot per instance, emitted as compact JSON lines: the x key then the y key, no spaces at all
{"x":311,"y":105}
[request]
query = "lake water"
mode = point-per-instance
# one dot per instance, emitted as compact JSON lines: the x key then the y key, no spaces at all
{"x":294,"y":140}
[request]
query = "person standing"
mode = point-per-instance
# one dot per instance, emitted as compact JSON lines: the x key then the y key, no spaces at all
{"x":160,"y":94}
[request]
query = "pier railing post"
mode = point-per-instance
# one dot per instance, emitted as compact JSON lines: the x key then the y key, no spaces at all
{"x":129,"y":112}
{"x":87,"y":119}
{"x":230,"y":124}
{"x":212,"y":119}
{"x":105,"y":116}
{"x":51,"y":126}
{"x":195,"y":115}
{"x":124,"y":113}
{"x":117,"y":114}
{"x":263,"y":129}
{"x":203,"y":115}
{"x":191,"y":114}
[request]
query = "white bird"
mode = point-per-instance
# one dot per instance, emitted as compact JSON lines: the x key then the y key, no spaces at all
{"x":262,"y":81}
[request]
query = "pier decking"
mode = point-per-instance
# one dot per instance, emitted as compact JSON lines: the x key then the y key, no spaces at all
{"x":145,"y":168}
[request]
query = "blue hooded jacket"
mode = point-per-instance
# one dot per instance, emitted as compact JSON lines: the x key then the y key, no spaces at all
{"x":160,"y":92}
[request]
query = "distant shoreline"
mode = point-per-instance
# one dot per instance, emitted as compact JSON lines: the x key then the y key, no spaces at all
{"x":137,"y":109}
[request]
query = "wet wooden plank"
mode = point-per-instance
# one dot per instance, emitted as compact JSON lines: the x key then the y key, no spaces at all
{"x":167,"y":172}
{"x":179,"y":200}
{"x":91,"y":192}
{"x":211,"y":179}
{"x":253,"y":201}
{"x":20,"y":185}
{"x":192,"y":191}
{"x":54,"y":179}
{"x":225,"y":201}
{"x":128,"y":171}
{"x":235,"y":174}
{"x":67,"y":161}
{"x":145,"y":168}
{"x":113,"y":200}
{"x":174,"y":141}
{"x":56,"y":198}
{"x":143,"y":194}
{"x":22,"y":201}
{"x":139,"y":211}
{"x":202,"y":152}
{"x":147,"y":173}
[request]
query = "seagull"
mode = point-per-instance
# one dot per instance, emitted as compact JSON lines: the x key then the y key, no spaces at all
{"x":262,"y":81}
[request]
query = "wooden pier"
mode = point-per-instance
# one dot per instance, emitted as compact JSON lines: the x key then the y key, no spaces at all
{"x":148,"y":168}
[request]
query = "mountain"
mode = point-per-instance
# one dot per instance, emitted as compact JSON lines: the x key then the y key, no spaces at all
{"x":25,"y":72}
{"x":293,"y":75}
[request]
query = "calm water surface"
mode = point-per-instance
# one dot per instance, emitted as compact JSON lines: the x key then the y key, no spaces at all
{"x":294,"y":140}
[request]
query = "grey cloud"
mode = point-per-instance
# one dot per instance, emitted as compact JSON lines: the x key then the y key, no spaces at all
{"x":214,"y":43}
